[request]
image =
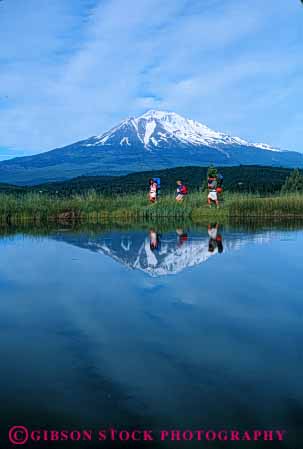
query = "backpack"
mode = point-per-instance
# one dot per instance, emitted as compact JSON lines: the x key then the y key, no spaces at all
{"x":184,"y":190}
{"x":220,"y":179}
{"x":158,"y":182}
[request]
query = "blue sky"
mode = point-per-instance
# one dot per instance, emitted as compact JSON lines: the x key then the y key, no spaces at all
{"x":70,"y":69}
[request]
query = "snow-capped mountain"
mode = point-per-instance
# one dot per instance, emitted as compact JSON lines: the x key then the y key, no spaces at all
{"x":157,"y":129}
{"x":154,"y":140}
{"x":174,"y":254}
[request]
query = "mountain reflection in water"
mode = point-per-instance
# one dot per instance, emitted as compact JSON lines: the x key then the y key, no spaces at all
{"x":162,"y":253}
{"x":95,"y":334}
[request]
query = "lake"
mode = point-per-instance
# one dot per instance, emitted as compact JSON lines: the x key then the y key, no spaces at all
{"x":154,"y":327}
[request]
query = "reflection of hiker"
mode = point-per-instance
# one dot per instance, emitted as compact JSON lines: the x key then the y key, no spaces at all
{"x":182,"y":236}
{"x":153,"y":190}
{"x":154,"y":239}
{"x":215,"y":239}
{"x":181,"y":191}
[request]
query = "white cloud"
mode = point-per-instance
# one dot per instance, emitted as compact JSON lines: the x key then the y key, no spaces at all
{"x":72,"y":72}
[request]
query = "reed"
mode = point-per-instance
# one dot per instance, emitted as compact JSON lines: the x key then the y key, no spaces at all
{"x":93,"y":207}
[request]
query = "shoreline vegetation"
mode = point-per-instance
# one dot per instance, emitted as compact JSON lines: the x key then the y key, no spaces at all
{"x":97,"y":208}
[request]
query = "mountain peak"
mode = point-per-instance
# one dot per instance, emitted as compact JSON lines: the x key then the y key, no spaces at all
{"x":157,"y":129}
{"x":157,"y":114}
{"x":155,"y":140}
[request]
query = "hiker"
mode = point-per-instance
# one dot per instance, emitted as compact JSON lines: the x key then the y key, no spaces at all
{"x":153,"y":190}
{"x":154,"y":239}
{"x":212,"y":185}
{"x":215,"y":239}
{"x":181,"y":191}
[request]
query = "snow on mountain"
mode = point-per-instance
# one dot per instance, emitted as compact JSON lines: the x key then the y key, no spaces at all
{"x":132,"y":249}
{"x":170,"y":259}
{"x":264,"y":146}
{"x":157,"y":128}
{"x":156,"y":140}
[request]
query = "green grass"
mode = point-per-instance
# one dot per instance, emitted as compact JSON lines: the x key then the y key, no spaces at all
{"x":93,"y":207}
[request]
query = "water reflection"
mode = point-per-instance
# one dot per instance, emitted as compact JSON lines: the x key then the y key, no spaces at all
{"x":215,"y":238}
{"x":182,"y":236}
{"x":154,"y":238}
{"x":161,"y":253}
{"x":100,"y":335}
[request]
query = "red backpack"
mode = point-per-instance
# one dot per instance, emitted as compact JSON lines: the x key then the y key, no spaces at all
{"x":184,"y":190}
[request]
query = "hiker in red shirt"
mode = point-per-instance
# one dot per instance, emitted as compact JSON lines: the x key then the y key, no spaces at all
{"x":181,"y":191}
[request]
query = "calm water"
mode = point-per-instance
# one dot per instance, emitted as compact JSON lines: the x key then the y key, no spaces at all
{"x":185,"y":329}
